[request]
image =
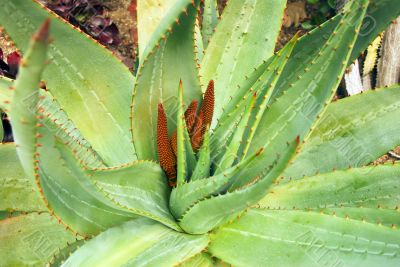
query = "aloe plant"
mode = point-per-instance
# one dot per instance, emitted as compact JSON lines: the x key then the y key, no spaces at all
{"x":229,"y":155}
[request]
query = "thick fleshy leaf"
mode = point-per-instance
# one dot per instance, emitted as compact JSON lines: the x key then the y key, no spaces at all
{"x":380,"y":14}
{"x":242,"y":31}
{"x":63,"y":254}
{"x":31,"y":239}
{"x":209,"y":20}
{"x":17,"y":192}
{"x":5,"y":93}
{"x":55,"y":119}
{"x":295,"y":238}
{"x":295,"y":112}
{"x":362,"y":187}
{"x":217,"y":210}
{"x":91,"y":85}
{"x":185,"y":196}
{"x":199,"y":260}
{"x":138,"y":243}
{"x":347,"y":133}
{"x":172,"y":45}
{"x":1,"y":128}
{"x":25,"y":98}
{"x":149,"y":15}
{"x":68,"y":191}
{"x":260,"y":82}
{"x":140,"y":187}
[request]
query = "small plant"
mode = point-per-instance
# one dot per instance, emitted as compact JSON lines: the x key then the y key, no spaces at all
{"x":89,"y":16}
{"x":324,"y":9}
{"x":230,"y":154}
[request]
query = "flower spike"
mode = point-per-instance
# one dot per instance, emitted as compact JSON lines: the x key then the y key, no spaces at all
{"x":165,"y":153}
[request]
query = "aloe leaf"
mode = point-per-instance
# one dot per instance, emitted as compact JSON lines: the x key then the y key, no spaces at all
{"x":187,"y":195}
{"x":186,"y":157}
{"x":375,"y":215}
{"x":242,"y":31}
{"x":296,"y":238}
{"x":172,"y":45}
{"x":260,"y":81}
{"x":87,"y":96}
{"x":230,"y":153}
{"x":138,"y":243}
{"x":199,"y":47}
{"x":217,"y":210}
{"x":17,"y":193}
{"x":367,"y":187}
{"x":199,"y":260}
{"x":68,"y":191}
{"x":1,"y":128}
{"x":55,"y":119}
{"x":347,"y":133}
{"x":25,"y":98}
{"x":209,"y":20}
{"x":311,"y":92}
{"x":149,"y":15}
{"x":140,"y":187}
{"x":202,"y":169}
{"x":380,"y":14}
{"x":31,"y":239}
{"x":63,"y":254}
{"x":5,"y":93}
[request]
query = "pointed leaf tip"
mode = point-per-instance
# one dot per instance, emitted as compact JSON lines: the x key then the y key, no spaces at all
{"x":261,"y":150}
{"x":42,"y":34}
{"x":298,"y":140}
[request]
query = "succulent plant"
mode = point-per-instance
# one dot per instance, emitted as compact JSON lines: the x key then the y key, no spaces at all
{"x":89,"y":16}
{"x":263,"y":181}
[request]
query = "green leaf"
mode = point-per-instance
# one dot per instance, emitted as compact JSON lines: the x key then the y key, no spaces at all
{"x":380,"y":14}
{"x":367,"y":187}
{"x":5,"y":93}
{"x":217,"y":210}
{"x":31,"y":239}
{"x":209,"y":20}
{"x":68,"y":191}
{"x":150,"y":15}
{"x":296,"y":111}
{"x":157,"y":79}
{"x":25,"y":98}
{"x":199,"y":260}
{"x":1,"y":127}
{"x":17,"y":193}
{"x":261,"y":82}
{"x":56,"y":120}
{"x":140,"y":187}
{"x":91,"y":84}
{"x":202,"y":169}
{"x":138,"y":243}
{"x":242,"y":31}
{"x":295,"y":238}
{"x":63,"y":254}
{"x":186,"y":157}
{"x":347,"y":133}
{"x":230,"y":153}
{"x":185,"y":196}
